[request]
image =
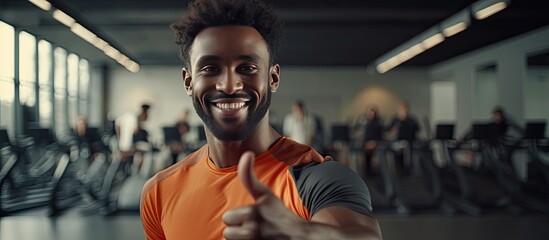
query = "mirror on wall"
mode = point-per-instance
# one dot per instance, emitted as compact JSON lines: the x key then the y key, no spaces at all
{"x":536,"y":87}
{"x":484,"y":92}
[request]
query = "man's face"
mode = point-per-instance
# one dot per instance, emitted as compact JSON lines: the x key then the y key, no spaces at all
{"x":230,"y":80}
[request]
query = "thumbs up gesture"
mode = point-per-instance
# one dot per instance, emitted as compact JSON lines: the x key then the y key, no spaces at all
{"x":267,"y":218}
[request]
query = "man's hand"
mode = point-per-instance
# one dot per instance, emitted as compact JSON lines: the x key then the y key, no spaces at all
{"x":268,"y":218}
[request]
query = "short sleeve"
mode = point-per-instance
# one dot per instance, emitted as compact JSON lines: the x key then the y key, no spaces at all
{"x":326,"y":184}
{"x":150,"y":215}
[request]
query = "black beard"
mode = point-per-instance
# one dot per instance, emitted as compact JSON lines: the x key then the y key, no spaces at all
{"x":238,"y":133}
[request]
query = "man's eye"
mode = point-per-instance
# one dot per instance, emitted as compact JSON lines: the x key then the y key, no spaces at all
{"x":210,"y":69}
{"x":247,"y":68}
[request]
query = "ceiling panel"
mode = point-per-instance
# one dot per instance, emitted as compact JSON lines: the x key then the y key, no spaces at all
{"x":318,"y":33}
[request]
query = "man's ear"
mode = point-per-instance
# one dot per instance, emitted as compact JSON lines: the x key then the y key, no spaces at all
{"x":274,"y":79}
{"x":187,"y":80}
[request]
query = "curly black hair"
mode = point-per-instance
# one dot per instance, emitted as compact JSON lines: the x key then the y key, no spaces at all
{"x":208,"y":13}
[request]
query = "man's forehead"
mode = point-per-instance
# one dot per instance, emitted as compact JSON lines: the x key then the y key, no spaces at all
{"x":243,"y":40}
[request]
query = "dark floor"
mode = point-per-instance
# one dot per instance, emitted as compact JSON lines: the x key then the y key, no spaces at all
{"x":72,"y":226}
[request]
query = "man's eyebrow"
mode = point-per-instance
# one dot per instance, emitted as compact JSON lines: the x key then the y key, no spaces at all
{"x":249,"y":57}
{"x":210,"y":58}
{"x":207,"y":58}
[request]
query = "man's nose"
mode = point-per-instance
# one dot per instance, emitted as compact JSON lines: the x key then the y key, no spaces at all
{"x":229,"y":83}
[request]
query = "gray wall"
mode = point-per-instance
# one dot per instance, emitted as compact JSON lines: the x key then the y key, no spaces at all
{"x":510,"y":58}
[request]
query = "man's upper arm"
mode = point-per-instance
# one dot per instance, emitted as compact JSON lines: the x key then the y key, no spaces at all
{"x":331,"y":184}
{"x":150,"y":214}
{"x":336,"y":196}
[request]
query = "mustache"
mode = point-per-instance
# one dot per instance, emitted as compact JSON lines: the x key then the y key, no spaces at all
{"x":222,"y":95}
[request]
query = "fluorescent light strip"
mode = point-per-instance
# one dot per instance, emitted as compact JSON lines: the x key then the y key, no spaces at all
{"x":454,"y":29}
{"x":132,"y":66}
{"x":43,"y":4}
{"x":432,"y":41}
{"x":100,"y":43}
{"x":490,"y":10}
{"x":63,"y":18}
{"x":88,"y":35}
{"x":84,"y":33}
{"x":409,"y":53}
{"x":389,"y":64}
{"x":416,"y":49}
{"x":122,"y":59}
{"x":437,"y":38}
{"x":110,"y":50}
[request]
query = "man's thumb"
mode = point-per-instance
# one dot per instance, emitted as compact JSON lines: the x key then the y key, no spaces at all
{"x":248,"y":178}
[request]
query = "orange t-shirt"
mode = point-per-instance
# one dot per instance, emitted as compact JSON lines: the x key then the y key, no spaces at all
{"x":188,"y":199}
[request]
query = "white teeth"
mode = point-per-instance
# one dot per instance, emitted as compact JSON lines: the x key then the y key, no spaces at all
{"x":230,"y":105}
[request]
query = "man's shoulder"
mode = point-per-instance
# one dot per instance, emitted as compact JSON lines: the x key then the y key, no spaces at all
{"x":172,"y":170}
{"x":295,"y":154}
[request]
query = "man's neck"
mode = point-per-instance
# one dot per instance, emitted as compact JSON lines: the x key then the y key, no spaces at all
{"x":227,"y":153}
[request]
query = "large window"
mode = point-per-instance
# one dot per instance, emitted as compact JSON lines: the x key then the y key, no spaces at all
{"x":83,"y":87}
{"x":45,"y":78}
{"x":60,"y":90}
{"x":50,"y":88}
{"x":7,"y":75}
{"x":27,"y":78}
{"x":72,"y":88}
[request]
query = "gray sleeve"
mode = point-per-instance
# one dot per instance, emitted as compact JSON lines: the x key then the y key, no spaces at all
{"x":331,"y":184}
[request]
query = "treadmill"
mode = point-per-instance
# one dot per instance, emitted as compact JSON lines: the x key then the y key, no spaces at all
{"x":488,"y":184}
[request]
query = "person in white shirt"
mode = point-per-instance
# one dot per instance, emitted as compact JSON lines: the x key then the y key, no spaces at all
{"x":299,"y":125}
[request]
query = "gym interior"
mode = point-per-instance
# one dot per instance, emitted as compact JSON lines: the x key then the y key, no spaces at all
{"x":73,"y":74}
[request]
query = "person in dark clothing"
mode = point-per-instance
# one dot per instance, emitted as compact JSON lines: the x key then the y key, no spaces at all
{"x":177,"y":146}
{"x":403,"y":127}
{"x":373,"y":132}
{"x":498,"y":125}
{"x":496,"y":130}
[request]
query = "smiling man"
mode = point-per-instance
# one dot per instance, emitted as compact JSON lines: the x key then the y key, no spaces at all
{"x":247,"y":182}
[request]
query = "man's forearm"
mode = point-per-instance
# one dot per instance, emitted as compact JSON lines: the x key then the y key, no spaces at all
{"x":319,"y":231}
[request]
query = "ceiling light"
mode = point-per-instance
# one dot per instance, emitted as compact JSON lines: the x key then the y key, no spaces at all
{"x":432,"y":41}
{"x":456,"y":23}
{"x":122,"y":59}
{"x":84,"y":33}
{"x":43,"y":4}
{"x":91,"y":37}
{"x":411,"y":52}
{"x":389,"y":64}
{"x":63,"y":18}
{"x":416,"y":49}
{"x":455,"y":29}
{"x":436,"y":34}
{"x":100,"y":43}
{"x":110,"y":50}
{"x":409,"y":49}
{"x":132,"y":66}
{"x":382,"y":68}
{"x":486,"y":8}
